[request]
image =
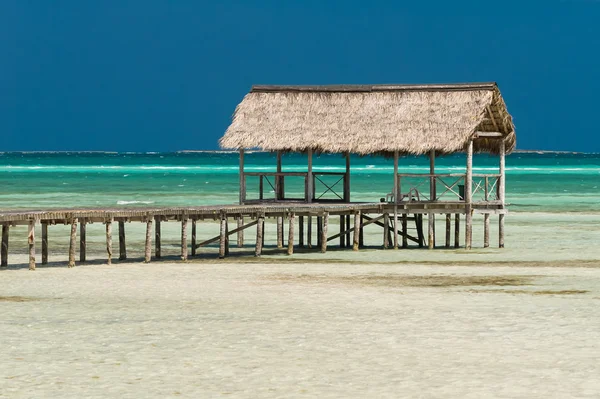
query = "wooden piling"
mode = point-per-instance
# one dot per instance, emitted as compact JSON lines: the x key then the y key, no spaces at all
{"x":223,"y":237}
{"x":469,"y":197}
{"x":486,"y":230}
{"x":448,"y":228}
{"x":193,"y":237}
{"x":157,"y":243}
{"x":342,"y":231}
{"x":348,"y":243}
{"x":109,"y":252}
{"x":319,"y":231}
{"x":457,"y":230}
{"x":501,"y":231}
{"x":240,"y":233}
{"x":361,"y":231}
{"x":386,"y":230}
{"x":4,"y":246}
{"x":301,"y":231}
{"x":419,"y":226}
{"x":431,"y":234}
{"x":44,"y":243}
{"x":226,"y":236}
{"x":290,"y":248}
{"x":395,"y":227}
{"x":122,"y":242}
{"x":309,"y":231}
{"x":357,"y":230}
{"x":82,"y":241}
{"x":280,"y":232}
{"x":148,"y":242}
{"x":404,"y":230}
{"x":184,"y":246}
{"x":324,"y":232}
{"x":260,"y":226}
{"x":72,"y":243}
{"x":31,"y":244}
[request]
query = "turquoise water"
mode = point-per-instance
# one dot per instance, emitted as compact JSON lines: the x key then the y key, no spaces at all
{"x":536,"y":182}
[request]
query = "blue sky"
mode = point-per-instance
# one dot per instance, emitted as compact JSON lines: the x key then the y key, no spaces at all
{"x":166,"y":75}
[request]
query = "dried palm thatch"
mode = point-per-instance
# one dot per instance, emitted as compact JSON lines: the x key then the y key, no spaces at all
{"x":377,"y":119}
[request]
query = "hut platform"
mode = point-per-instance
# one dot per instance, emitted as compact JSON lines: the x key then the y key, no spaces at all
{"x":392,"y":218}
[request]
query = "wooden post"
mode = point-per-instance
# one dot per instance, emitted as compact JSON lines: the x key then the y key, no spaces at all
{"x":242,"y":178}
{"x":122,"y":242}
{"x":309,"y":180}
{"x":342,"y":231}
{"x":157,"y":243}
{"x":486,"y":230}
{"x":404,"y":230}
{"x":348,"y":244}
{"x":280,"y":232}
{"x":347,"y":179}
{"x":148,"y":243}
{"x":194,"y":237}
{"x":72,"y":243}
{"x":501,"y":193}
{"x":432,"y":188}
{"x":290,"y":248}
{"x":319,"y":230}
{"x":430,"y":222}
{"x":31,"y":243}
{"x":386,"y":230}
{"x":396,"y":185}
{"x":448,"y":228}
{"x":82,"y":241}
{"x":395,"y":227}
{"x":469,"y":197}
{"x":4,"y":246}
{"x":357,"y":230}
{"x":457,"y":230}
{"x":261,"y":187}
{"x":259,"y":234}
{"x":44,"y":243}
{"x":280,"y":190}
{"x":324,"y":232}
{"x":184,"y":246}
{"x":223,"y":237}
{"x":309,"y":231}
{"x":240,"y":233}
{"x":301,"y":231}
{"x":109,"y":241}
{"x":501,"y":231}
{"x":361,"y":232}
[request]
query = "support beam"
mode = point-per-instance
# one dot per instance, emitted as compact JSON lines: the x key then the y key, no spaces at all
{"x":157,"y":240}
{"x":361,"y":231}
{"x":292,"y":219}
{"x":357,"y":230}
{"x":260,"y":226}
{"x":395,"y":227}
{"x":431,"y":233}
{"x":122,"y":242}
{"x":301,"y":231}
{"x":342,"y":231}
{"x":348,"y":244}
{"x":324,"y":232}
{"x":347,"y":179}
{"x":31,"y":244}
{"x":223,"y":237}
{"x":469,"y":197}
{"x":309,"y":231}
{"x":319,"y":231}
{"x":280,"y":232}
{"x":82,"y":241}
{"x":457,"y":230}
{"x":72,"y":243}
{"x":448,"y":228}
{"x":44,"y":243}
{"x":279,"y":189}
{"x":240,"y":233}
{"x":501,"y":231}
{"x":148,"y":243}
{"x":193,"y":237}
{"x":184,"y":246}
{"x":218,"y":238}
{"x":396,"y":185}
{"x":242,"y":178}
{"x":386,"y":230}
{"x":405,"y":230}
{"x":501,"y":193}
{"x":4,"y":246}
{"x":432,"y":188}
{"x":309,"y":180}
{"x":486,"y":230}
{"x":109,"y":251}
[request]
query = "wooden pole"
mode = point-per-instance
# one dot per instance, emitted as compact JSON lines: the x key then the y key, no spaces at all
{"x":386,"y":230}
{"x":72,"y":243}
{"x":31,"y":243}
{"x":448,"y":228}
{"x":501,"y":231}
{"x":122,"y":242}
{"x":430,"y":222}
{"x":280,"y":232}
{"x":223,"y":235}
{"x":457,"y":230}
{"x":396,"y":185}
{"x":184,"y":246}
{"x":44,"y":243}
{"x":242,"y":178}
{"x":361,"y":233}
{"x":395,"y":227}
{"x":342,"y":231}
{"x":324,"y":232}
{"x":432,"y":188}
{"x":501,"y":193}
{"x":157,"y":243}
{"x":148,"y":243}
{"x":301,"y":231}
{"x":193,"y":237}
{"x":109,"y":241}
{"x":348,"y":244}
{"x":82,"y":241}
{"x":319,"y":231}
{"x":347,"y":179}
{"x":279,"y":194}
{"x":357,"y":229}
{"x":290,"y":248}
{"x":4,"y":246}
{"x":309,"y":179}
{"x":486,"y":230}
{"x":260,"y":226}
{"x":240,"y":233}
{"x":405,"y":230}
{"x":469,"y":197}
{"x":309,"y":231}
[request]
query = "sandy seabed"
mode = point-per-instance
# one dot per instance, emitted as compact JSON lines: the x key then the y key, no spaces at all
{"x":523,"y":322}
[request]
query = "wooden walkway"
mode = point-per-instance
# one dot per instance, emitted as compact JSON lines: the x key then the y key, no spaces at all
{"x":392,"y":218}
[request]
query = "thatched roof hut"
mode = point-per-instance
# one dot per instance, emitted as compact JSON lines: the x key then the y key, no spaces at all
{"x":371,"y":119}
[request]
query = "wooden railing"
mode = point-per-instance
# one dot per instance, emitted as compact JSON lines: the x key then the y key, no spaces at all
{"x":326,"y":187}
{"x":421,"y":187}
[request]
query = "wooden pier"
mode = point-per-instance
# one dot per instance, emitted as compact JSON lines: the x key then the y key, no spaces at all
{"x":402,"y":226}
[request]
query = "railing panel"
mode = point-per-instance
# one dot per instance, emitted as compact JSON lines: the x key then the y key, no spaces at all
{"x":275,"y":186}
{"x":446,"y":187}
{"x":329,"y":186}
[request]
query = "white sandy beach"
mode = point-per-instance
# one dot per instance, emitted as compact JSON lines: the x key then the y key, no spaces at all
{"x":344,"y":324}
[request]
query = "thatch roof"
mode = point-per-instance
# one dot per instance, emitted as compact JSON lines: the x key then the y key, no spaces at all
{"x":367,"y":119}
